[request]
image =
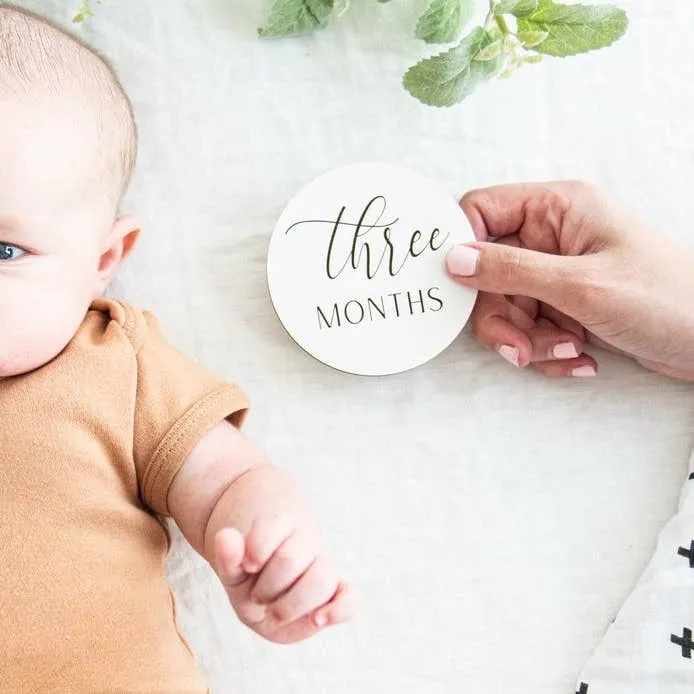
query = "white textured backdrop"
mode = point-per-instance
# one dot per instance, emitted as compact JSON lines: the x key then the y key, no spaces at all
{"x":495,"y":521}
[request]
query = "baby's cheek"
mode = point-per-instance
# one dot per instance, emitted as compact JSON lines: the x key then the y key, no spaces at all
{"x":42,"y":317}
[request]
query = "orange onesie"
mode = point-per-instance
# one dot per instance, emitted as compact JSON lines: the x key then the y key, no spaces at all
{"x":91,"y":444}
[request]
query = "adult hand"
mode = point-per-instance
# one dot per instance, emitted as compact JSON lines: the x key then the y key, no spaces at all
{"x":569,"y":267}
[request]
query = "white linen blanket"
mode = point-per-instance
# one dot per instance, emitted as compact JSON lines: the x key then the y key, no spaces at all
{"x":495,"y":521}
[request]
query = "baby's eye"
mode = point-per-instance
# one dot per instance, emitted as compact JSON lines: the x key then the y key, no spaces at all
{"x":9,"y":252}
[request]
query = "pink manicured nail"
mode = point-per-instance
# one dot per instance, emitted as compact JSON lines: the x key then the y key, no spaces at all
{"x":463,"y":261}
{"x":565,"y":350}
{"x":320,"y":620}
{"x":510,"y":354}
{"x":584,"y":372}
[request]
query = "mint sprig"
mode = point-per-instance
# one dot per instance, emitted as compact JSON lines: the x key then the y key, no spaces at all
{"x":514,"y":33}
{"x":542,"y":27}
{"x":85,"y":11}
{"x":446,"y":79}
{"x":573,"y":29}
{"x":518,"y":8}
{"x":300,"y":16}
{"x":444,"y":20}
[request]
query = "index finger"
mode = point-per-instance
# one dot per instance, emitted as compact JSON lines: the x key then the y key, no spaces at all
{"x":502,"y":210}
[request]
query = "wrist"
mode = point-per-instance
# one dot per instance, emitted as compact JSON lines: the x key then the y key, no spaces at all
{"x":260,"y":491}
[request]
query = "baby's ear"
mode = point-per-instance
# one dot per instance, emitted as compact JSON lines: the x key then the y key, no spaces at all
{"x":120,"y":243}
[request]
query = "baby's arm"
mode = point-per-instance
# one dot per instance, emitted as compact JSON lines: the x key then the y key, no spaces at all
{"x":249,"y":520}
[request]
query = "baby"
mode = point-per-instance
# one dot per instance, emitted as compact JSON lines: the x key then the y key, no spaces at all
{"x":108,"y":430}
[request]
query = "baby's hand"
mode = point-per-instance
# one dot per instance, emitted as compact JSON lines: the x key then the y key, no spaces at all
{"x":279,"y":582}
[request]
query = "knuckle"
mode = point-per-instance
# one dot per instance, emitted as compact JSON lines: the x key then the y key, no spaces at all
{"x":280,"y":613}
{"x":487,"y":308}
{"x":546,"y":211}
{"x":255,"y":537}
{"x":285,"y":553}
{"x":267,"y":532}
{"x":468,"y":198}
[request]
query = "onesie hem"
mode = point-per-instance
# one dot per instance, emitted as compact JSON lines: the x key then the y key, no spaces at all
{"x":227,"y":402}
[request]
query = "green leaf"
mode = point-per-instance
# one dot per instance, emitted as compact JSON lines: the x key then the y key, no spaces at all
{"x":444,"y":20}
{"x":494,"y":32}
{"x":84,"y":12}
{"x":447,"y":78}
{"x":519,"y":8}
{"x":573,"y":29}
{"x":529,"y":39}
{"x":491,"y":51}
{"x":300,"y":16}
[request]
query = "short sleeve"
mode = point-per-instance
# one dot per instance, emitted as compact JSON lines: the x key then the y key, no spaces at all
{"x":176,"y":403}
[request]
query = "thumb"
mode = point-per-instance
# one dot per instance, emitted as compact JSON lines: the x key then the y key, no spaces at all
{"x":501,"y":269}
{"x":229,"y":548}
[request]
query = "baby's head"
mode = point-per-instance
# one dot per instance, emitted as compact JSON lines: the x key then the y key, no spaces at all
{"x":68,"y":143}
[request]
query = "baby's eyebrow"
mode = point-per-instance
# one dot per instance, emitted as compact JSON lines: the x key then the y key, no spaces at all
{"x":8,"y":223}
{"x":12,"y":232}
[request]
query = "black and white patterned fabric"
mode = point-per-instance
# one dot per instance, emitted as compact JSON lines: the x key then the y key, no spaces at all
{"x":649,"y":648}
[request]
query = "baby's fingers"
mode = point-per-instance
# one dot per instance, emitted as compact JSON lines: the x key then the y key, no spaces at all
{"x":313,"y":590}
{"x":266,"y":534}
{"x":287,"y":564}
{"x":344,"y":605}
{"x":228,"y":553}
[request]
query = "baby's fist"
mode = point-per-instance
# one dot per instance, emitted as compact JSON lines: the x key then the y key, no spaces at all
{"x":279,"y":582}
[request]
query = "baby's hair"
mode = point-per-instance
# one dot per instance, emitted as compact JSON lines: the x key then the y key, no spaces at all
{"x":36,"y":53}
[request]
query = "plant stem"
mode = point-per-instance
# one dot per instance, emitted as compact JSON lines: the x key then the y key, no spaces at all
{"x":502,"y":25}
{"x":490,"y":15}
{"x":500,"y":21}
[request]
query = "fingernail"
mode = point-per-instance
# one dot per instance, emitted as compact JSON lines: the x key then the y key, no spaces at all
{"x":584,"y":372}
{"x":463,"y":261}
{"x":510,"y":354}
{"x":250,"y":567}
{"x":565,"y":350}
{"x":320,"y":620}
